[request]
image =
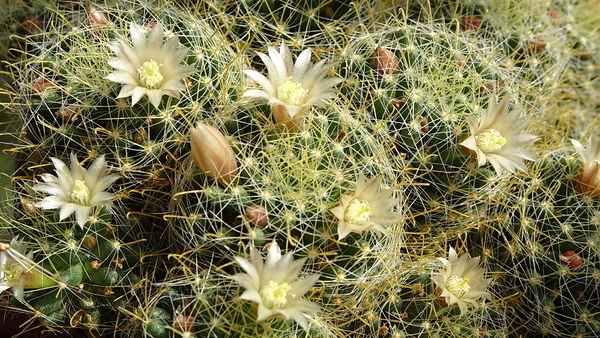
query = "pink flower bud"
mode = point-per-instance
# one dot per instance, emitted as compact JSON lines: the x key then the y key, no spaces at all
{"x":470,"y":23}
{"x":571,"y":259}
{"x":184,"y":323}
{"x":97,"y":20}
{"x":257,"y":215}
{"x":212,"y":153}
{"x":385,"y":62}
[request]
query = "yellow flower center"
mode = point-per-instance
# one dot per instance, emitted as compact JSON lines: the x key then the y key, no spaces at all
{"x":357,"y":212}
{"x":458,"y":285}
{"x":292,"y":93}
{"x":12,"y":273}
{"x":150,"y":76}
{"x":80,"y":194}
{"x":274,"y":295}
{"x":489,"y":140}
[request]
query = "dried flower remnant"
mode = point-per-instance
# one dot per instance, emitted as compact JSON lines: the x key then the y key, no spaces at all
{"x":292,"y":89}
{"x":462,"y":281}
{"x":498,"y":137}
{"x":149,"y":67}
{"x":273,"y":286}
{"x":367,"y":208}
{"x":76,"y":190}
{"x":213,"y":154}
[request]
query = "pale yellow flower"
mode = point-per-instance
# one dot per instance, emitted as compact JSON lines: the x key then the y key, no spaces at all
{"x":462,"y":281}
{"x":367,"y":208}
{"x":77,"y":190}
{"x":498,"y":137}
{"x":149,"y":67}
{"x":273,"y":285}
{"x":291,"y":89}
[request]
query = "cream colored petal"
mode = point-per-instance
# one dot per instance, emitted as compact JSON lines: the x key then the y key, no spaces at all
{"x":67,"y":209}
{"x":137,"y":94}
{"x":286,"y":58}
{"x":344,"y":229}
{"x":301,"y":287}
{"x":250,"y":271}
{"x":302,"y":64}
{"x":263,"y":312}
{"x":51,"y":202}
{"x":138,"y":37}
{"x":102,"y":198}
{"x":262,"y":81}
{"x":154,"y":96}
{"x":122,"y":77}
{"x":82,"y":215}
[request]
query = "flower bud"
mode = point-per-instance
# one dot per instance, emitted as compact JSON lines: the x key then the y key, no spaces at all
{"x":212,"y":153}
{"x":385,"y":62}
{"x":184,"y":323}
{"x":97,"y":20}
{"x":257,"y":215}
{"x":470,"y":23}
{"x":571,"y":259}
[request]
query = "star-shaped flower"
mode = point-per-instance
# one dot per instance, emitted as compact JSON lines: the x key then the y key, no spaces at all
{"x":273,"y":286}
{"x":498,"y":137}
{"x":368,"y":208}
{"x":291,"y":89}
{"x":149,"y":67}
{"x":76,"y":190}
{"x":462,"y":282}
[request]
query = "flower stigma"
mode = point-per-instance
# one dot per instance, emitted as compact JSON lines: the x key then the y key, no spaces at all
{"x":489,"y":140}
{"x":150,"y":76}
{"x":292,"y":93}
{"x":80,"y":194}
{"x":274,"y":294}
{"x":458,"y":285}
{"x":358,"y":212}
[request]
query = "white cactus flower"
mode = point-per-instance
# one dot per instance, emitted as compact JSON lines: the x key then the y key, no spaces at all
{"x":291,"y":89}
{"x":149,"y":68}
{"x":273,"y":286}
{"x":76,"y":190}
{"x":462,"y":281}
{"x":498,"y":137}
{"x":368,"y":208}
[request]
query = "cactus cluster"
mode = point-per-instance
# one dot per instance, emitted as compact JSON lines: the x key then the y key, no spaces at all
{"x":278,"y":168}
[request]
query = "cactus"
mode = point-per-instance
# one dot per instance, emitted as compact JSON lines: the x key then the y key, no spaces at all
{"x":395,"y":169}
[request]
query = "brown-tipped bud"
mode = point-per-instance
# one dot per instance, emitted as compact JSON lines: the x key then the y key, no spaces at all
{"x":90,"y":241}
{"x":585,"y":54}
{"x":97,"y":20}
{"x":70,"y":114}
{"x":212,"y":153}
{"x":32,"y":25}
{"x":555,"y":15}
{"x":571,"y":259}
{"x":385,"y":62}
{"x":184,"y":323}
{"x":257,"y":215}
{"x":534,"y":47}
{"x":42,"y":87}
